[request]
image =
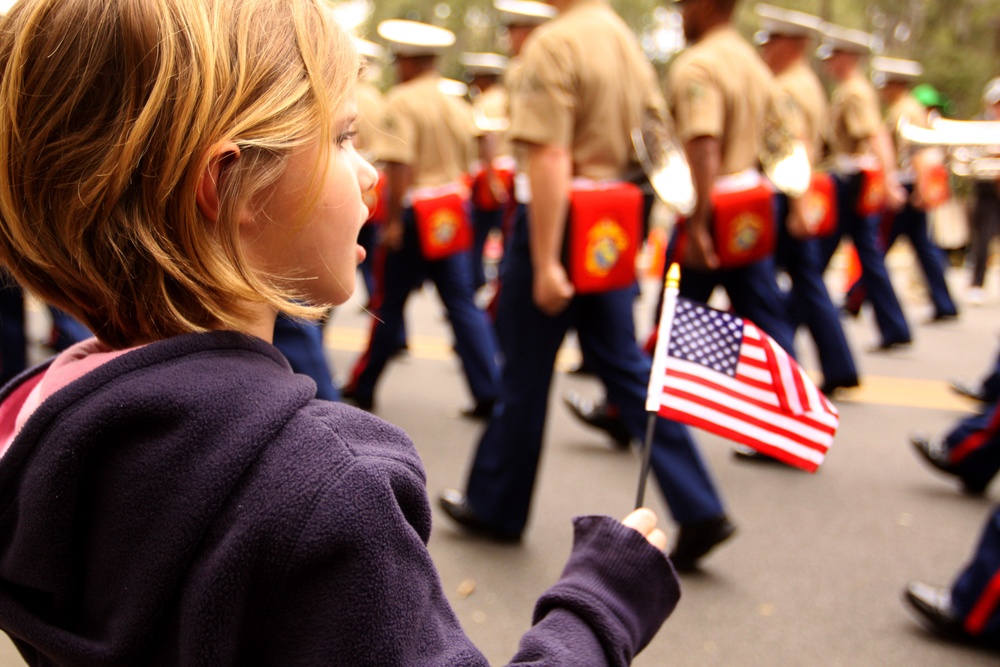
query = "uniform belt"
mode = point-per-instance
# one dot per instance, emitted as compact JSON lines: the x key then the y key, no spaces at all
{"x":433,"y":192}
{"x":738,"y":182}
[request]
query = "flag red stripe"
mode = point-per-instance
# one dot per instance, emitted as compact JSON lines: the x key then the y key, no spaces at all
{"x":743,"y":397}
{"x":737,"y":436}
{"x":800,"y":438}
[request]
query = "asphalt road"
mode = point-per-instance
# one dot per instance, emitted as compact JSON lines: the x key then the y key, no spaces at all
{"x":814,"y":574}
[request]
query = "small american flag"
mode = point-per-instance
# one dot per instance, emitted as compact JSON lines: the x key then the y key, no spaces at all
{"x":721,"y":373}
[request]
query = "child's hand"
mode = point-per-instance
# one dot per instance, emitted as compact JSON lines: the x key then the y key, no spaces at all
{"x":644,"y":521}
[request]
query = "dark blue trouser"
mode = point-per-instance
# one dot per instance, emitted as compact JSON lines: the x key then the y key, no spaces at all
{"x":863,"y":231}
{"x":991,"y":383}
{"x":911,"y":222}
{"x":974,"y":446}
{"x":13,"y":341}
{"x":402,"y":271}
{"x":483,"y":222}
{"x":502,"y":477}
{"x":367,"y":239}
{"x":976,"y":592}
{"x":302,"y":344}
{"x":809,"y":302}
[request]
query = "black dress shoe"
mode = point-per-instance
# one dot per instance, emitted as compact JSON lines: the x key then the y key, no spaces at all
{"x":830,"y":388}
{"x":349,"y":395}
{"x":933,"y":606}
{"x":969,"y":390}
{"x":751,"y":455}
{"x":456,"y":506}
{"x":935,"y":453}
{"x":696,"y":539}
{"x":943,"y":317}
{"x":480,"y":410}
{"x":599,"y":416}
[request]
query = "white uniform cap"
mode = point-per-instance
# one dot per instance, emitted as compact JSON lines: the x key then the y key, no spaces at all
{"x":368,"y":50}
{"x":523,"y":12}
{"x":453,"y":87}
{"x":885,"y":70}
{"x":785,"y":23}
{"x":847,"y":40}
{"x":991,"y":94}
{"x":483,"y":63}
{"x":412,"y":38}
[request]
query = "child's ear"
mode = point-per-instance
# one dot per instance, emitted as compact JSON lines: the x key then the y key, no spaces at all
{"x":220,"y":157}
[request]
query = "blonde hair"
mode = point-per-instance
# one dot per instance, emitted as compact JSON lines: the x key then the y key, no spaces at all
{"x":109,"y":111}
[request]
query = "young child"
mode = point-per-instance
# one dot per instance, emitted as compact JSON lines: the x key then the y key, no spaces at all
{"x":175,"y":173}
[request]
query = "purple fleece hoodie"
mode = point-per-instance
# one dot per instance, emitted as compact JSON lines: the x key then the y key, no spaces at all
{"x":191,"y":503}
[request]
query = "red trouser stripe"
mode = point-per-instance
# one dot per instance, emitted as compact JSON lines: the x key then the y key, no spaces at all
{"x":985,"y":607}
{"x":977,"y":439}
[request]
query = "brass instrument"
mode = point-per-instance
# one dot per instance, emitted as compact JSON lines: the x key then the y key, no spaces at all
{"x":666,"y":166}
{"x":973,"y":145}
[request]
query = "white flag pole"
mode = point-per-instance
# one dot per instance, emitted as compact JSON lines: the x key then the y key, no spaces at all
{"x":654,"y":390}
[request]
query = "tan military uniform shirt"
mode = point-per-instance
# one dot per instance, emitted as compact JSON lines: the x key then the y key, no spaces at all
{"x":585,"y":84}
{"x":432,"y":132}
{"x":720,"y":88}
{"x":493,"y":104}
{"x":802,"y":85}
{"x":371,"y":110}
{"x":854,"y":115}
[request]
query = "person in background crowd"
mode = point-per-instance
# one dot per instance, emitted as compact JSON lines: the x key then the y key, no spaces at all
{"x":427,"y":142}
{"x":784,"y":41}
{"x":922,"y":173}
{"x":986,"y":212}
{"x":491,"y":189}
{"x":865,"y":168}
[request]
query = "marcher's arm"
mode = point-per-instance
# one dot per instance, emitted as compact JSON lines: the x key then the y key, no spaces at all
{"x":550,"y":173}
{"x":704,"y":155}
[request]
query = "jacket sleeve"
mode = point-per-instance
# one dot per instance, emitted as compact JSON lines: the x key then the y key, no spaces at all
{"x":361,"y":586}
{"x":614,"y":593}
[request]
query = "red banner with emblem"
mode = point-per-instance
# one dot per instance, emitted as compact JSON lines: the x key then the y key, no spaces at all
{"x":603,"y":235}
{"x":932,"y":183}
{"x":819,"y":205}
{"x":492,"y":194}
{"x":443,"y":225}
{"x":743,"y":226}
{"x":871,"y":199}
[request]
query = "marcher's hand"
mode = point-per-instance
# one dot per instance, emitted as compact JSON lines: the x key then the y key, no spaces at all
{"x":797,"y":224}
{"x":391,"y":235}
{"x":644,"y":521}
{"x":552,"y":289}
{"x":895,"y":195}
{"x":699,"y":252}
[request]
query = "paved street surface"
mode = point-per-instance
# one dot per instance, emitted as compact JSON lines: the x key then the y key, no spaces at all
{"x":815,"y":572}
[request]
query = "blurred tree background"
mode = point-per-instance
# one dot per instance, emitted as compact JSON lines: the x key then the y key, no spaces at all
{"x":958,"y":41}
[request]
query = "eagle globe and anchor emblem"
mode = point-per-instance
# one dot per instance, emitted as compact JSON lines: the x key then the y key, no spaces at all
{"x":606,"y":241}
{"x":815,"y":207}
{"x":443,"y":227}
{"x":747,"y":229}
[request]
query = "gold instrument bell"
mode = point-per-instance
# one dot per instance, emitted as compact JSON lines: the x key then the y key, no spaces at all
{"x":974,"y":145}
{"x":666,"y":167}
{"x":783,"y":156}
